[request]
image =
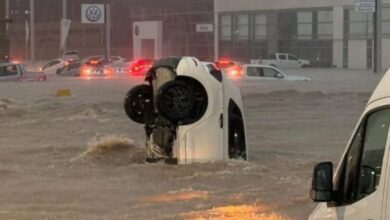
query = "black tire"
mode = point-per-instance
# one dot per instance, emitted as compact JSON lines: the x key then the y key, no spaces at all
{"x":237,"y":144}
{"x":137,"y":102}
{"x":305,"y":66}
{"x":175,"y":100}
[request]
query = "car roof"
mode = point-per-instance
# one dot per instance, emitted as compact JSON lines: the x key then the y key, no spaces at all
{"x":259,"y":65}
{"x":6,"y":64}
{"x":382,"y":90}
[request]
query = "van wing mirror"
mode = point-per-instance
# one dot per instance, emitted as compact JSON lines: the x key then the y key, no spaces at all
{"x":322,"y":184}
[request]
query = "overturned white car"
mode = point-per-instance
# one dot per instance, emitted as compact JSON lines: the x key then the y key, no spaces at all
{"x":191,"y":111}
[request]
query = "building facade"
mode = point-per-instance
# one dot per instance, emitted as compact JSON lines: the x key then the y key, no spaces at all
{"x":3,"y":34}
{"x":179,"y":19}
{"x":328,"y":33}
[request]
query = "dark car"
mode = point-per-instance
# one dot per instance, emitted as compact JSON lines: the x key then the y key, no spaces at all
{"x":16,"y":72}
{"x":96,"y":68}
{"x":140,"y":67}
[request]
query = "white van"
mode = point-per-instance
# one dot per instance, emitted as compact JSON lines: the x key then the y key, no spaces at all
{"x":359,"y":190}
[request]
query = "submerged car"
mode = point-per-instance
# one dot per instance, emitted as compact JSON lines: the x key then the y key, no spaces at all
{"x":265,"y":72}
{"x":232,"y":69}
{"x":191,"y":113}
{"x":96,"y":68}
{"x":51,"y":67}
{"x":140,"y":67}
{"x":17,"y":72}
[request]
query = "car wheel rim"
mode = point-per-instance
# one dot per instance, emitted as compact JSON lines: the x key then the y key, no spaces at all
{"x":177,"y":99}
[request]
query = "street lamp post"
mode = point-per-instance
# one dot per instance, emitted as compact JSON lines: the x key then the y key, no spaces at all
{"x":32,"y":31}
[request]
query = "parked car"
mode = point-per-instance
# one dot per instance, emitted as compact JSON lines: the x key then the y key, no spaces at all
{"x":231,"y":68}
{"x":264,"y":72}
{"x":283,"y":60}
{"x":180,"y":108}
{"x":16,"y":72}
{"x":71,"y":56}
{"x":52,"y":66}
{"x":117,"y":60}
{"x":96,"y":68}
{"x":359,"y":189}
{"x":140,"y":67}
{"x":73,"y":69}
{"x":92,"y":58}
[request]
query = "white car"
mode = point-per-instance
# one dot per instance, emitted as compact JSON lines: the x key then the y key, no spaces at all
{"x":264,"y":72}
{"x":359,"y":190}
{"x":191,"y":112}
{"x":51,"y":67}
{"x":283,"y":60}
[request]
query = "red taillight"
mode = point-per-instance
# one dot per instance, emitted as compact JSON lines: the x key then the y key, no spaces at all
{"x":94,"y":62}
{"x":85,"y":71}
{"x":108,"y":72}
{"x":140,"y":66}
{"x":235,"y":72}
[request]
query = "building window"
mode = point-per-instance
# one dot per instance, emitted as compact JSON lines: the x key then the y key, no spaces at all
{"x":226,"y":27}
{"x":305,"y":25}
{"x":242,"y":31}
{"x":360,"y":25}
{"x":325,"y":24}
{"x":386,"y":21}
{"x":260,"y":24}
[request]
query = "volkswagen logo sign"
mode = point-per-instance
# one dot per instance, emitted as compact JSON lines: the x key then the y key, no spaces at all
{"x":93,"y":13}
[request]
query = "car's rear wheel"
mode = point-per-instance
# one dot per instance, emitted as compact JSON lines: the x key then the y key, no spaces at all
{"x":138,"y":102}
{"x":175,"y":100}
{"x":237,"y":144}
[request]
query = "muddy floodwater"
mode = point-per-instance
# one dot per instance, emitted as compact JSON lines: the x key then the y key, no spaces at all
{"x":80,"y":157}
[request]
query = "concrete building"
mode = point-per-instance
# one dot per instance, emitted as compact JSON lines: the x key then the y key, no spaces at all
{"x":3,"y":36}
{"x":328,"y":33}
{"x":178,"y":18}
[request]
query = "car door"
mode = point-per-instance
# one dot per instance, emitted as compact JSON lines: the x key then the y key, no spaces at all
{"x":282,"y":61}
{"x":293,"y":61}
{"x":359,"y":185}
{"x":271,"y":73}
{"x":254,"y":73}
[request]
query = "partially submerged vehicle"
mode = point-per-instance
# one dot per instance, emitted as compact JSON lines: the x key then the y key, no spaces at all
{"x":264,"y":72}
{"x":17,"y":72}
{"x":192,"y":113}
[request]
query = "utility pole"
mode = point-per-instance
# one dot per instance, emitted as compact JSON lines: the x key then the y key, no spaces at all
{"x":7,"y":18}
{"x":107,"y":21}
{"x":64,"y":16}
{"x":378,"y":37}
{"x":32,"y":31}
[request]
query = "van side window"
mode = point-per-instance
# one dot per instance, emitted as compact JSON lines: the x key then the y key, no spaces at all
{"x":362,"y":165}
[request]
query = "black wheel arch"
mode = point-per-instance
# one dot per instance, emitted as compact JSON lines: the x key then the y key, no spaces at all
{"x":235,"y":116}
